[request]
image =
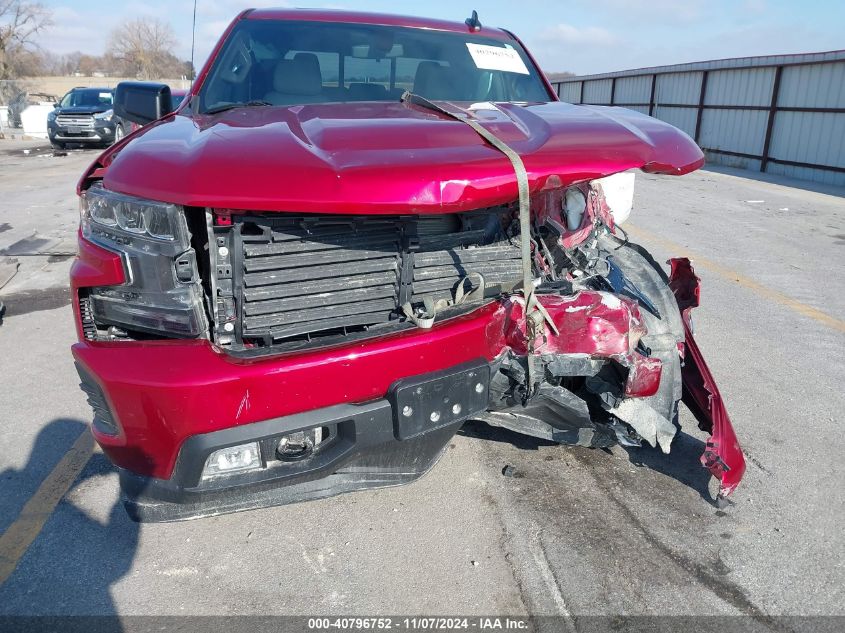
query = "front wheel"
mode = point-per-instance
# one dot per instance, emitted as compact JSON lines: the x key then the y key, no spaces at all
{"x":57,"y":145}
{"x":118,"y":134}
{"x":665,"y":329}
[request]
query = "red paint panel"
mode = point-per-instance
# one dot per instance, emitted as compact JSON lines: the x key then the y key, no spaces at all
{"x":723,"y":455}
{"x":643,"y":377}
{"x":93,"y":266}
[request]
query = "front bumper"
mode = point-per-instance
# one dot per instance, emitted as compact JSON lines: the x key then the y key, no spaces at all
{"x":154,"y":399}
{"x":101,"y":132}
{"x":372,"y":445}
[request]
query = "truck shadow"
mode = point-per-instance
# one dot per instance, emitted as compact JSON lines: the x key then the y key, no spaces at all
{"x":681,"y":464}
{"x":81,"y":552}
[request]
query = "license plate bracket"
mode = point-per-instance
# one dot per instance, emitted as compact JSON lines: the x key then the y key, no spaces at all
{"x":432,"y":401}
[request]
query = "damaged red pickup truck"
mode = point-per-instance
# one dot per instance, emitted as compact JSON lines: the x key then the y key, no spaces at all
{"x":355,"y":233}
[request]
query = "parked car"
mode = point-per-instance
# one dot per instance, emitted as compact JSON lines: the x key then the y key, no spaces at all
{"x":22,"y":101}
{"x":361,"y":232}
{"x":85,"y":115}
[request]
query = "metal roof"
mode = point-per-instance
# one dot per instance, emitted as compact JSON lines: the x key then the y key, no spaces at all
{"x":719,"y":64}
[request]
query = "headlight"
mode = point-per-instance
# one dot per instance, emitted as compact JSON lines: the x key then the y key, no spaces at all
{"x":103,"y":211}
{"x":51,"y":116}
{"x":164,"y":295}
{"x":574,"y":205}
{"x":618,"y":192}
{"x":104,"y":116}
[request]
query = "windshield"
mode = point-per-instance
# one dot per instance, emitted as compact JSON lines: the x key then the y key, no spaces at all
{"x":291,"y":63}
{"x":93,"y":97}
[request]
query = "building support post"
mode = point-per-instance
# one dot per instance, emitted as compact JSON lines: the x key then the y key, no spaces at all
{"x":770,"y":123}
{"x":701,"y":96}
{"x":651,"y":98}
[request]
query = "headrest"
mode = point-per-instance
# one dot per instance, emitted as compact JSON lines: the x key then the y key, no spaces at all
{"x":434,"y":81}
{"x":297,"y":77}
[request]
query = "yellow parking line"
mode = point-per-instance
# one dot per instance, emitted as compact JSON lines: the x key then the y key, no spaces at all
{"x":742,"y":280}
{"x":16,"y":540}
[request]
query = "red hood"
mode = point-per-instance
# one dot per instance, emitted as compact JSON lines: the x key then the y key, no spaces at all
{"x":385,"y":157}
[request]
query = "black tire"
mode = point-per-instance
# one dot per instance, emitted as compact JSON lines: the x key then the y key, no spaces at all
{"x":665,"y":331}
{"x":57,"y":145}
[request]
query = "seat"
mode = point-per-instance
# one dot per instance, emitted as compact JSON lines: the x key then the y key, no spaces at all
{"x":434,"y":81}
{"x":296,"y":81}
{"x":311,"y":60}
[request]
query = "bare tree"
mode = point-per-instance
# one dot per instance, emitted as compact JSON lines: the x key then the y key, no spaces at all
{"x":144,"y":47}
{"x":20,"y":22}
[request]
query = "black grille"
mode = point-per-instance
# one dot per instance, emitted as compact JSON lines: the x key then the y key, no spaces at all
{"x":304,"y":276}
{"x":89,"y":327}
{"x":75,"y":120}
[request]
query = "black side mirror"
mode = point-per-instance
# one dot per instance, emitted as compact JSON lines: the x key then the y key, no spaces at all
{"x":141,"y":102}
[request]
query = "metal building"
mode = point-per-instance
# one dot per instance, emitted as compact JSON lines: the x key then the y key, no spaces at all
{"x":780,"y":114}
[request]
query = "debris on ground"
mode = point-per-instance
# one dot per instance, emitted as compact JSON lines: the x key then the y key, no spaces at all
{"x":509,"y":471}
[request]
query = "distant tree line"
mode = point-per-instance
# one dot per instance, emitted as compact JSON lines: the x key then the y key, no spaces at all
{"x":142,"y":48}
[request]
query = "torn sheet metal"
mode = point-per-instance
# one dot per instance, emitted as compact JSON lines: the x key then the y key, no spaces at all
{"x":722,"y":456}
{"x":651,"y":426}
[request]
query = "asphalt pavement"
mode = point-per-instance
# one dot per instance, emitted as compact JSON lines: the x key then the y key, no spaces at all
{"x":573,"y":532}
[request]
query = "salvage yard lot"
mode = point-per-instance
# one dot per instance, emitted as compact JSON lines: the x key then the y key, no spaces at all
{"x":575,"y":531}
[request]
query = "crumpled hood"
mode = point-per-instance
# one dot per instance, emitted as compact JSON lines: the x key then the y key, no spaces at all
{"x":382,"y":157}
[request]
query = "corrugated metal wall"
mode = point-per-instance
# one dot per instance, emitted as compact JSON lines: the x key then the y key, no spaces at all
{"x":781,"y":114}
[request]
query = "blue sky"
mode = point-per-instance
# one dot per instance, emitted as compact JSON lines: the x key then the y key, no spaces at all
{"x":582,"y":36}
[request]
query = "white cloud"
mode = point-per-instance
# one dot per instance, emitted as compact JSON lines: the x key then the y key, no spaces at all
{"x":88,"y":31}
{"x":566,"y":47}
{"x":651,"y":10}
{"x":588,"y":35}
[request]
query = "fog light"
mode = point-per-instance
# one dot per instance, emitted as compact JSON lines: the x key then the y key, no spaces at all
{"x":294,"y":447}
{"x":456,"y":409}
{"x":232,"y":460}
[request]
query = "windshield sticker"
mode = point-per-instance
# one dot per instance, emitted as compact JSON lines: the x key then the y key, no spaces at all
{"x":497,"y":58}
